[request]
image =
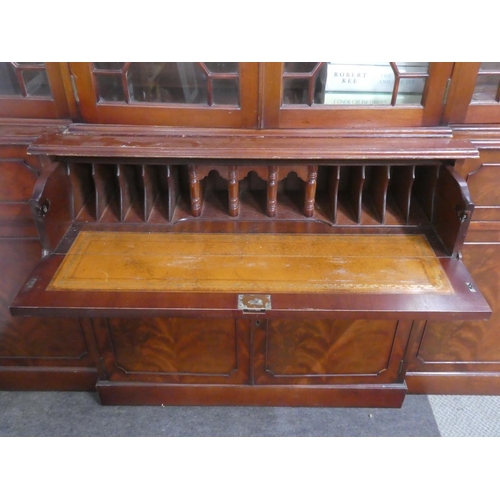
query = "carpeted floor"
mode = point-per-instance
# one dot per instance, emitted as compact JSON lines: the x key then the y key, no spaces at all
{"x":467,"y":416}
{"x":80,"y":414}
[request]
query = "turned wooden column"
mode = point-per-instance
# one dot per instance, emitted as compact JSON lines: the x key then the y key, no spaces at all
{"x":234,"y":202}
{"x":272,"y":190}
{"x":195,"y":191}
{"x":312,"y":175}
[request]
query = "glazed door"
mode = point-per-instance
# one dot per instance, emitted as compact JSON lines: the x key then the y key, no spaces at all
{"x":474,"y":95}
{"x":326,"y":95}
{"x":32,"y":90}
{"x":191,"y":94}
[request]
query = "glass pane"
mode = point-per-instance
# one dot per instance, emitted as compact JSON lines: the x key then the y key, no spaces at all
{"x":354,"y":84}
{"x":487,"y":83}
{"x":169,"y":82}
{"x":226,"y":91}
{"x":36,"y":83}
{"x":9,"y":84}
{"x":117,"y":66}
{"x":308,"y":89}
{"x":39,"y":64}
{"x":24,"y":79}
{"x":183,"y":83}
{"x":109,"y":87}
{"x":296,"y":91}
{"x":370,"y":99}
{"x":299,"y":67}
{"x":222,"y":67}
{"x":413,"y":67}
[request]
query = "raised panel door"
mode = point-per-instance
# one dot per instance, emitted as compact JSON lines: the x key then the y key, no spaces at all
{"x":312,"y":352}
{"x":174,"y":350}
{"x":466,"y":346}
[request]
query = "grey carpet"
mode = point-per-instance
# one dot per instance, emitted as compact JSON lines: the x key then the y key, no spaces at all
{"x":467,"y":416}
{"x":80,"y":414}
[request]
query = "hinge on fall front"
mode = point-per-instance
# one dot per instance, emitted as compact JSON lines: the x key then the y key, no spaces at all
{"x":446,"y":90}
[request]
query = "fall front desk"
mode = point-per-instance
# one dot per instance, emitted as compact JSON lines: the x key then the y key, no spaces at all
{"x":249,"y":268}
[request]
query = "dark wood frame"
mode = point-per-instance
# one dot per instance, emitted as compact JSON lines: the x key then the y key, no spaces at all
{"x":242,"y":116}
{"x":459,"y":108}
{"x":273,"y":115}
{"x":61,"y":105}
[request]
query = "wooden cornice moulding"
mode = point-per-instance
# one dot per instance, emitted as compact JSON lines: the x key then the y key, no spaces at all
{"x":147,"y":130}
{"x":25,"y":131}
{"x":270,"y":145}
{"x":482,"y":136}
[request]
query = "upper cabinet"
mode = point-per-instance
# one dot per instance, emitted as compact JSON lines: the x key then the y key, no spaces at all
{"x":33,"y":90}
{"x":307,"y":95}
{"x":193,"y":94}
{"x":474,"y":95}
{"x":262,"y":95}
{"x":353,"y":94}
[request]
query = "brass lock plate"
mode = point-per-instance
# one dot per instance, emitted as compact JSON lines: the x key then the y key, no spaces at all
{"x":253,"y":302}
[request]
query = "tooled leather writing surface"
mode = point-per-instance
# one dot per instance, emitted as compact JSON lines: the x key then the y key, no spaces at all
{"x":250,"y":263}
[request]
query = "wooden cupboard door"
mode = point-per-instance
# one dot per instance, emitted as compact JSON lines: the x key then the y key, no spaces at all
{"x":330,"y":352}
{"x":17,"y":180}
{"x":34,"y":90}
{"x":174,"y":350}
{"x":474,"y":93}
{"x":466,"y":346}
{"x":33,"y":341}
{"x":38,"y":353}
{"x":325,"y":95}
{"x":483,"y":181}
{"x":193,"y":94}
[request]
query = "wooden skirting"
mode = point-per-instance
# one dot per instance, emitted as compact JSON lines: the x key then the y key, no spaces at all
{"x":369,"y":396}
{"x":454,"y":383}
{"x":20,"y":378}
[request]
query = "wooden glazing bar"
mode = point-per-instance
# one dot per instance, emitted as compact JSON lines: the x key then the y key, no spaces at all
{"x":105,"y":187}
{"x":82,"y":186}
{"x":424,"y":188}
{"x":127,"y":186}
{"x":195,"y":191}
{"x":402,"y":178}
{"x":378,"y":188}
{"x":124,"y":80}
{"x":272,"y":190}
{"x":310,"y":197}
{"x":357,"y":175}
{"x":395,"y":91}
{"x":150,"y":186}
{"x":234,"y":202}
